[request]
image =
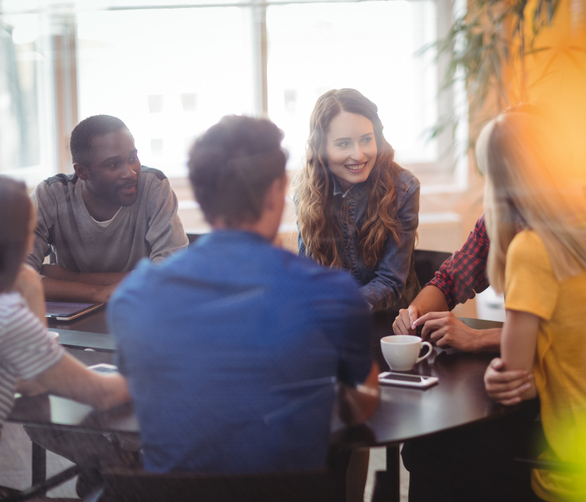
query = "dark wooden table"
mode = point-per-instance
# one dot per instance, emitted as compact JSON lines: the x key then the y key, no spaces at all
{"x":89,"y":331}
{"x":402,"y":413}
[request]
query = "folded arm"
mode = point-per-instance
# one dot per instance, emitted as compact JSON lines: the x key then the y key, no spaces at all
{"x":507,"y":387}
{"x":510,"y":380}
{"x":62,"y":284}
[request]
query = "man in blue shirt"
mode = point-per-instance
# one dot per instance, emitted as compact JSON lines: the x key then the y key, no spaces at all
{"x":237,"y":351}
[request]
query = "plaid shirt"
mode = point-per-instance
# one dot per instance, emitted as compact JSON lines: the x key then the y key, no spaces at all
{"x":464,"y":274}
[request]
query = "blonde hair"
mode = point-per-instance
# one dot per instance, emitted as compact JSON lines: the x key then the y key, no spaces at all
{"x":531,"y":183}
{"x":318,"y":225}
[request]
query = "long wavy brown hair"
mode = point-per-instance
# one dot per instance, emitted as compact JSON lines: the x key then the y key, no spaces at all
{"x":319,"y":226}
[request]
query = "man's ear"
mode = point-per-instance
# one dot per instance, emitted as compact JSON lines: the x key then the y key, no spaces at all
{"x":276,"y":193}
{"x":81,"y":171}
{"x":282,"y":183}
{"x":269,"y":200}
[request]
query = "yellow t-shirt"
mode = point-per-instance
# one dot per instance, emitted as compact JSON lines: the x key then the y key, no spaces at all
{"x":560,"y":365}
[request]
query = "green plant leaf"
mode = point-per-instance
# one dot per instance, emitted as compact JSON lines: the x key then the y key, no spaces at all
{"x":537,"y":50}
{"x":570,"y":55}
{"x":478,"y":45}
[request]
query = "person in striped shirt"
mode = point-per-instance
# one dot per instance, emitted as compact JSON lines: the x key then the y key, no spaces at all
{"x":29,"y":360}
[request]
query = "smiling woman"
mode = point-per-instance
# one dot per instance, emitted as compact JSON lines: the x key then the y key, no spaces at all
{"x":351,"y":148}
{"x":357,"y":209}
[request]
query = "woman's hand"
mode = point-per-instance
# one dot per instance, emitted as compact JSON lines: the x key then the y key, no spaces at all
{"x":507,"y":387}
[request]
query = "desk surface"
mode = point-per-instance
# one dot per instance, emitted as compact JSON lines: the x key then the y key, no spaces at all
{"x":402,"y":413}
{"x":459,"y":398}
{"x":88,"y":331}
{"x":58,"y":412}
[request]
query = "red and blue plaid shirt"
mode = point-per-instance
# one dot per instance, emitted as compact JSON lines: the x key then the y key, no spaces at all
{"x":464,"y":274}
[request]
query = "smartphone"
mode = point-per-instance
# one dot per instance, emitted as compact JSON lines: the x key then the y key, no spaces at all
{"x":406,"y":380}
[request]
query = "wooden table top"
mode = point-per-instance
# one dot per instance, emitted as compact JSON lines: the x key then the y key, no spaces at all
{"x":88,"y":331}
{"x":402,"y":413}
{"x":458,"y":399}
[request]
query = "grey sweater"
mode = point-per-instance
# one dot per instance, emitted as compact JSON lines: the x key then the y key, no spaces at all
{"x":149,"y":228}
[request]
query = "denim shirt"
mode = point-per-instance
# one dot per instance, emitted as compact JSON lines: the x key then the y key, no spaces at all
{"x":392,"y":283}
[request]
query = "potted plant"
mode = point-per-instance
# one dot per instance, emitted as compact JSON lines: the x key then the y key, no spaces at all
{"x":487,"y":47}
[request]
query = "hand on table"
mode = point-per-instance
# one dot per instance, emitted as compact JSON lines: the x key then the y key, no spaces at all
{"x":506,"y":387}
{"x":62,"y":284}
{"x":103,"y":293}
{"x":30,"y":388}
{"x":403,"y":324}
{"x":55,"y":272}
{"x":445,"y":330}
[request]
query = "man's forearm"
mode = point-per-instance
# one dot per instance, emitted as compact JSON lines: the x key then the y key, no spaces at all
{"x":430,"y":313}
{"x":488,"y":340}
{"x":430,"y":299}
{"x":56,"y":289}
{"x":98,"y":279}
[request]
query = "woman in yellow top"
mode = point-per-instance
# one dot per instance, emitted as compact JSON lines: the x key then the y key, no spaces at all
{"x":541,"y":269}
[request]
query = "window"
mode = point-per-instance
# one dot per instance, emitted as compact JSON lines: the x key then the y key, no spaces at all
{"x":369,"y":46}
{"x":170,"y":70}
{"x":27,"y":140}
{"x":147,"y":66}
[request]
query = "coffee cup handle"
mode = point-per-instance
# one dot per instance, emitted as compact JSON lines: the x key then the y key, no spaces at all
{"x":430,"y":347}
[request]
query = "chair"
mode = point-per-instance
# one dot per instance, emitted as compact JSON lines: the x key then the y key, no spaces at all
{"x":123,"y":485}
{"x":552,"y":465}
{"x":427,"y":263}
{"x":192,"y":237}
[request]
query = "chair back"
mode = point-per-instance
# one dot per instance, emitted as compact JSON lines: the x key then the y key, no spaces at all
{"x":427,"y":263}
{"x":192,"y":237}
{"x":138,"y":486}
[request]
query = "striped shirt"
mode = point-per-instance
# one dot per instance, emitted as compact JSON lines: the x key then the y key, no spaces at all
{"x":25,"y":349}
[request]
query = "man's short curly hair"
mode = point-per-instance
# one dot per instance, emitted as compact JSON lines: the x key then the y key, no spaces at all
{"x":232,"y":165}
{"x":83,"y":134}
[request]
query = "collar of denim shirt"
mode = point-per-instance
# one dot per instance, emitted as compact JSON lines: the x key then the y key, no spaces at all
{"x":353,"y":192}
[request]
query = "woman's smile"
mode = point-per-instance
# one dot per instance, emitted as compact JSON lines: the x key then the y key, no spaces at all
{"x":356,"y":167}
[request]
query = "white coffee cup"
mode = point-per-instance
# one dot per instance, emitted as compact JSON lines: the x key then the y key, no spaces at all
{"x":401,"y":352}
